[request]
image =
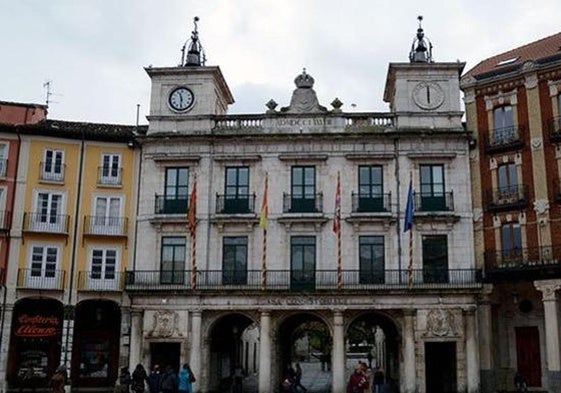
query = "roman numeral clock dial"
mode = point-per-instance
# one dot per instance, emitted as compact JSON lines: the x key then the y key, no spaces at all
{"x":181,"y":99}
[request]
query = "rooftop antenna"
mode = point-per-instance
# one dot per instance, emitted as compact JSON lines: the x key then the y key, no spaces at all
{"x":47,"y":86}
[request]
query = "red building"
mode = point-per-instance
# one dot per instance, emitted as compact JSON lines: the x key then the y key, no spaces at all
{"x":20,"y":113}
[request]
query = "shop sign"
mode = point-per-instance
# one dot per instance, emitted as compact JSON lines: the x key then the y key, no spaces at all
{"x":37,"y":326}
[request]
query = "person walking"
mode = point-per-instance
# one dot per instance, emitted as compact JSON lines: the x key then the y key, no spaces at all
{"x":357,"y":380}
{"x":125,"y":380}
{"x":185,"y":379}
{"x":139,"y":376}
{"x":169,"y":381}
{"x":378,"y":380}
{"x":155,"y":380}
{"x":59,"y":379}
{"x":298,"y":378}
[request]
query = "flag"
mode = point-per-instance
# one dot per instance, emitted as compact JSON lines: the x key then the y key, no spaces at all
{"x":264,"y":204}
{"x":192,"y":214}
{"x":337,"y":215}
{"x":408,"y":222}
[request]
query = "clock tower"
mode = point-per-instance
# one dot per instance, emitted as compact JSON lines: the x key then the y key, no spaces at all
{"x":422,"y":93}
{"x":184,"y":98}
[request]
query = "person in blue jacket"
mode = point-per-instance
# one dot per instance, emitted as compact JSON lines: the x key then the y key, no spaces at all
{"x":185,"y":379}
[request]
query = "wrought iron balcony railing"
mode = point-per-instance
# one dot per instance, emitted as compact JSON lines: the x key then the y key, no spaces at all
{"x":97,"y":280}
{"x":443,"y":202}
{"x":52,"y":172}
{"x":287,"y":280}
{"x":504,"y":138}
{"x":509,"y":197}
{"x":166,"y":204}
{"x":308,"y":203}
{"x":109,"y":176}
{"x":41,"y":278}
{"x":105,"y":226}
{"x":530,"y":263}
{"x":362,"y":203}
{"x":235,"y":204}
{"x":44,"y":222}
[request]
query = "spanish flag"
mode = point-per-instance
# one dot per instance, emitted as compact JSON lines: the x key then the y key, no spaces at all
{"x":264,"y":204}
{"x":192,"y":213}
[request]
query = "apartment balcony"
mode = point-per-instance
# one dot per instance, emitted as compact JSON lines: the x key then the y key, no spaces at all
{"x":308,"y":203}
{"x":52,"y":173}
{"x":298,"y":281}
{"x":105,"y":226}
{"x":554,"y":128}
{"x":523,"y":264}
{"x":425,"y":203}
{"x":166,"y":204}
{"x":370,"y":203}
{"x":41,"y":279}
{"x":109,"y":176}
{"x":5,"y":221}
{"x":46,"y":223}
{"x":235,"y":204}
{"x":98,"y":281}
{"x":504,"y":139}
{"x":514,"y":197}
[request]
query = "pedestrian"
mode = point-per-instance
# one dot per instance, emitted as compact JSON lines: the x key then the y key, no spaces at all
{"x":520,"y":382}
{"x":139,"y":376}
{"x":237,"y":379}
{"x":357,"y":380}
{"x":169,"y":381}
{"x":59,"y":379}
{"x":378,"y":380}
{"x":125,"y":380}
{"x":185,"y":379}
{"x":298,"y":378}
{"x":155,"y":379}
{"x":288,"y":379}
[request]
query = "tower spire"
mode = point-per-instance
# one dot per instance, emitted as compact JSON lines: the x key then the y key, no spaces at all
{"x":421,"y":49}
{"x":195,"y":52}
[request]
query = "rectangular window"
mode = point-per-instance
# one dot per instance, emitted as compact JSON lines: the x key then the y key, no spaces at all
{"x":107,"y":215}
{"x":48,"y":213}
{"x":110,"y":169}
{"x":503,"y":122}
{"x":237,"y":190}
{"x":371,"y":254}
{"x":303,"y":189}
{"x":234,"y":260}
{"x":176,"y":195}
{"x":511,"y":243}
{"x":104,"y":263}
{"x":432,"y":188}
{"x":509,"y":191}
{"x":302,"y":262}
{"x":435,"y":259}
{"x":53,"y":165}
{"x":43,"y":271}
{"x":3,"y":159}
{"x":173,"y":260}
{"x":370,"y":188}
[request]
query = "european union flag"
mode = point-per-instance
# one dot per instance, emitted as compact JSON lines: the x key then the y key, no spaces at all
{"x":408,"y":222}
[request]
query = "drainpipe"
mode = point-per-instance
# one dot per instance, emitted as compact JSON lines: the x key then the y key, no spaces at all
{"x":74,"y":242}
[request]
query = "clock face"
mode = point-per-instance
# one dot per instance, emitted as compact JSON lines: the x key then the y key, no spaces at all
{"x":428,"y":95}
{"x":181,"y":99}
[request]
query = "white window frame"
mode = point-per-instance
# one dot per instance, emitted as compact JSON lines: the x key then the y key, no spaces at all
{"x":108,"y":223}
{"x":52,"y":174}
{"x":37,"y":278}
{"x":4,"y":158}
{"x":45,"y":223}
{"x":106,"y":176}
{"x":102,"y":282}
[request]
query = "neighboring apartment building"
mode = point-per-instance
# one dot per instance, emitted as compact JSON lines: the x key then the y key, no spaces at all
{"x":325,"y":271}
{"x":513,"y":107}
{"x":72,"y":237}
{"x":21,"y":113}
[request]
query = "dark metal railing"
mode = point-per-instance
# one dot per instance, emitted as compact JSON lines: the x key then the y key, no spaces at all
{"x":308,"y":203}
{"x":101,"y":281}
{"x":105,"y":226}
{"x":52,"y":172}
{"x":287,"y":280}
{"x":521,"y":258}
{"x":504,"y":138}
{"x":235,"y":204}
{"x":44,"y":222}
{"x":166,"y":204}
{"x":443,"y":202}
{"x":508,"y":197}
{"x":109,"y":176}
{"x":370,"y":203}
{"x":41,"y":279}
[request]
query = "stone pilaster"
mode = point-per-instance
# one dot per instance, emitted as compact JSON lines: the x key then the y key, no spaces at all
{"x":265,"y":352}
{"x":486,"y":344}
{"x":196,"y":349}
{"x":549,"y":290}
{"x":338,"y":354}
{"x":135,"y":356}
{"x":472,"y":351}
{"x":410,"y":379}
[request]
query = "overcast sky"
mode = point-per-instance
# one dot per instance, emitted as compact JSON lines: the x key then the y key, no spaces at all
{"x":95,"y":51}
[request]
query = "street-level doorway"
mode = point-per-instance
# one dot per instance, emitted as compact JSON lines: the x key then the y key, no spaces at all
{"x":528,"y":358}
{"x":440,"y":367}
{"x":164,"y":354}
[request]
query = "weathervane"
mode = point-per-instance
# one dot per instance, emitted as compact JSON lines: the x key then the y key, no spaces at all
{"x":421,"y":49}
{"x":195,"y":54}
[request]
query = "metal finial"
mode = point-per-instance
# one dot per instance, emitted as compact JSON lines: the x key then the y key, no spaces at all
{"x":420,"y":19}
{"x":421,"y":49}
{"x":195,"y":53}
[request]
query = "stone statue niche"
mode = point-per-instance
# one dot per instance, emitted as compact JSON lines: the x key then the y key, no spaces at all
{"x":304,"y":98}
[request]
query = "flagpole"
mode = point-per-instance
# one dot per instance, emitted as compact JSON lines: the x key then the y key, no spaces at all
{"x":263,"y":224}
{"x":410,"y":267}
{"x":337,"y":229}
{"x":192,"y":224}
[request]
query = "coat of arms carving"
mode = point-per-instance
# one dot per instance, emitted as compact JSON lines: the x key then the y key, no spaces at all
{"x":440,"y":323}
{"x":165,"y":324}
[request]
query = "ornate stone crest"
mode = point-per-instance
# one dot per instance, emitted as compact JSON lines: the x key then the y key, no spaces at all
{"x":165,"y":324}
{"x":440,"y":323}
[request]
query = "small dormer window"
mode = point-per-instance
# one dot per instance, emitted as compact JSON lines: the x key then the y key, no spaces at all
{"x":507,"y":61}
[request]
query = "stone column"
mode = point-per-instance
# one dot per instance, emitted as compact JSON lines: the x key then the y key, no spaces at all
{"x":549,"y":297}
{"x":410,"y":380}
{"x":135,"y":339}
{"x":338,"y":353}
{"x":486,"y":344}
{"x":472,"y":351}
{"x":265,"y":353}
{"x":195,"y":352}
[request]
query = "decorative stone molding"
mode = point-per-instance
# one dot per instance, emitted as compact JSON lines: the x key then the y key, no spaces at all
{"x":548,"y":288}
{"x":469,"y":96}
{"x":477,"y":214}
{"x":496,"y":222}
{"x":522,"y":218}
{"x":501,"y":98}
{"x":165,"y":325}
{"x":541,"y":206}
{"x":536,"y":143}
{"x":531,"y":81}
{"x":492,"y":163}
{"x":554,"y":87}
{"x":518,"y":159}
{"x":473,"y":155}
{"x":441,"y":323}
{"x":558,"y":152}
